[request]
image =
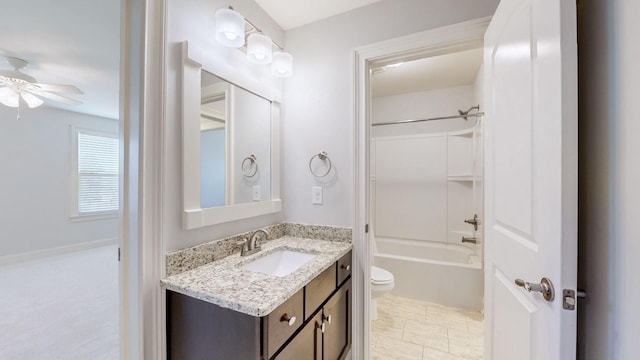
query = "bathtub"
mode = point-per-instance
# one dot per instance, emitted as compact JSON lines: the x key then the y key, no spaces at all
{"x":447,"y":274}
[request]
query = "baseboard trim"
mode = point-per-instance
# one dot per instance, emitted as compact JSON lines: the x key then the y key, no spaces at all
{"x":39,"y":254}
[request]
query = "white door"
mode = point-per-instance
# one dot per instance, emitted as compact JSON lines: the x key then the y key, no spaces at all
{"x":531,"y":178}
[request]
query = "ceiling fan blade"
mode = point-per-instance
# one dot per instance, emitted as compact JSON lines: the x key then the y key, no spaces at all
{"x":16,"y":75}
{"x":31,"y":100}
{"x":8,"y":73}
{"x":65,"y":89}
{"x":54,"y":97}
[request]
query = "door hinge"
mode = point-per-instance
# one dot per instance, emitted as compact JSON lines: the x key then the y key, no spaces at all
{"x":366,"y":229}
{"x":569,"y":298}
{"x":118,"y":253}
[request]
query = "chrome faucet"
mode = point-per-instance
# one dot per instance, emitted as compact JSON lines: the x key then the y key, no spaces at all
{"x":252,"y":245}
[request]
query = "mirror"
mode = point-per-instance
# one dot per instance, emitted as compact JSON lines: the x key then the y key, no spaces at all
{"x":230,"y":153}
{"x":235,"y":128}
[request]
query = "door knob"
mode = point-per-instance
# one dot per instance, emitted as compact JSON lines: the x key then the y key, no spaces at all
{"x":545,"y":287}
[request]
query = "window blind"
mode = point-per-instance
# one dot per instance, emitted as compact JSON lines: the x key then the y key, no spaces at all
{"x":98,"y":174}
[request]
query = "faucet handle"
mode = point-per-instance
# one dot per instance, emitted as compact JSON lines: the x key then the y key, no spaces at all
{"x":244,"y":243}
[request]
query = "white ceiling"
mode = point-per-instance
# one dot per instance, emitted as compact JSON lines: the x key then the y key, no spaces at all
{"x":77,"y":42}
{"x":73,"y":42}
{"x":436,"y":72}
{"x":290,"y":14}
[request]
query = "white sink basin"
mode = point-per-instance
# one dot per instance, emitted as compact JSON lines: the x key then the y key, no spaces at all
{"x":279,"y":263}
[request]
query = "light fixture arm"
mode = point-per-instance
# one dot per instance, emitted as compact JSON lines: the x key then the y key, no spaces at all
{"x":234,"y":30}
{"x":255,"y":29}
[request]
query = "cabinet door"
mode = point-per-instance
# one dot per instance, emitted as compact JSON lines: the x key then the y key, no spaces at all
{"x":307,"y":345}
{"x":337,"y":318}
{"x":318,"y":290}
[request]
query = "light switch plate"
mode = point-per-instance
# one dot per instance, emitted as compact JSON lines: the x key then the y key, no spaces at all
{"x":257,"y":193}
{"x":316,"y":195}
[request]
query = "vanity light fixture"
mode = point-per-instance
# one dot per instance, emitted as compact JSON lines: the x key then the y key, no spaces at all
{"x":229,"y":28}
{"x":282,"y":65}
{"x":230,"y":31}
{"x":259,"y":48}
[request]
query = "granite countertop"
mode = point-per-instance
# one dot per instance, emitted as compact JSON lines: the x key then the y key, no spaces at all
{"x":224,"y":283}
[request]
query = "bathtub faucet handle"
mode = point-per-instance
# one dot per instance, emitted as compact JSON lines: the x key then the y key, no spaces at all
{"x":473,"y":222}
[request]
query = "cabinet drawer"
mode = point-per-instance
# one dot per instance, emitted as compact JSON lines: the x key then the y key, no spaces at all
{"x":344,"y":267}
{"x":318,"y":290}
{"x":280,"y":324}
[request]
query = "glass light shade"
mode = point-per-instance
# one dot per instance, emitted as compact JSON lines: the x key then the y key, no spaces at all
{"x":9,"y":97}
{"x":31,"y":100}
{"x":259,"y":49}
{"x":282,"y":65}
{"x":229,"y":28}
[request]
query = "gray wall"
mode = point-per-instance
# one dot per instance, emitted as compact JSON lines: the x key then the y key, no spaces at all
{"x":319,"y":98}
{"x":609,"y":196}
{"x":35,"y":181}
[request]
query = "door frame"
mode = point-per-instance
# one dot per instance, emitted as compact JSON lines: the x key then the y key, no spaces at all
{"x":452,"y":38}
{"x":142,"y":265}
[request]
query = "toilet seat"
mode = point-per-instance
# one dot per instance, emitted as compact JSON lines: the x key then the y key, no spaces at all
{"x":380,"y":276}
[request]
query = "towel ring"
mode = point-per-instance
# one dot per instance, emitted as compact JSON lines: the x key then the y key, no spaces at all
{"x":322,"y":155}
{"x":252,"y":158}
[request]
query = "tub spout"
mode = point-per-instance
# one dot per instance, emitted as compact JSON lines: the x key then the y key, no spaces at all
{"x":472,"y":240}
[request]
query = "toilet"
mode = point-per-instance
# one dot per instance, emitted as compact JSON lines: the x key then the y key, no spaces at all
{"x":382,"y":281}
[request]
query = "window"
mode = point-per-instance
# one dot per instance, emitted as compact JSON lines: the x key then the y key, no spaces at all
{"x":96,"y":171}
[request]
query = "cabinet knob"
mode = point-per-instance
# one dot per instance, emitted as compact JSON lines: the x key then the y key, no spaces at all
{"x":346,"y":267}
{"x":287,"y":319}
{"x":321,"y":326}
{"x":327,"y":318}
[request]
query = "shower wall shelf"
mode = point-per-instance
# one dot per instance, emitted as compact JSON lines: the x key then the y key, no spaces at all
{"x":463,"y":178}
{"x":465,"y":133}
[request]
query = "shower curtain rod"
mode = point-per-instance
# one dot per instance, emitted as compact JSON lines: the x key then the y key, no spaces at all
{"x":465,"y":116}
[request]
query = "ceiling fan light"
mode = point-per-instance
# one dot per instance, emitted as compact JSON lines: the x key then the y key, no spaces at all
{"x":229,"y":28}
{"x":31,"y":100}
{"x":282,"y":65}
{"x":9,"y":97}
{"x":259,"y":48}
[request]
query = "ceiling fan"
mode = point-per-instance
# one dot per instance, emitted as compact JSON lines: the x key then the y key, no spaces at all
{"x":18,"y":88}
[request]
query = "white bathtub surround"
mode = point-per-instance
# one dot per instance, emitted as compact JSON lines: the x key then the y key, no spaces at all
{"x":61,"y":307}
{"x":447,"y":274}
{"x":424,"y":186}
{"x":192,"y":257}
{"x":409,"y":329}
{"x":224,"y":283}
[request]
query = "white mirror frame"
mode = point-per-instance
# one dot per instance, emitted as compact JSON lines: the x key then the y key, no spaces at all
{"x":193,"y":215}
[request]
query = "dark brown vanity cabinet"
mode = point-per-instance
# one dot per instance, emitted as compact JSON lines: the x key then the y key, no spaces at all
{"x":307,"y":344}
{"x":337,"y":317}
{"x":327,"y":334}
{"x":314,"y":324}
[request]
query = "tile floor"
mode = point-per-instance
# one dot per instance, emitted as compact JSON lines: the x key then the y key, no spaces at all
{"x":410,"y":329}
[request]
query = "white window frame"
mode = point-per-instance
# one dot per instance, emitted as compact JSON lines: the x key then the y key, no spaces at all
{"x":75,"y":212}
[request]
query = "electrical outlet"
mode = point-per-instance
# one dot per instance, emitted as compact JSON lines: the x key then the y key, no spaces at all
{"x":316,"y":195}
{"x":257,"y":196}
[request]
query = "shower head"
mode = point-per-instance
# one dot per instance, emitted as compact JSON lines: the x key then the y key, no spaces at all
{"x":464,"y":114}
